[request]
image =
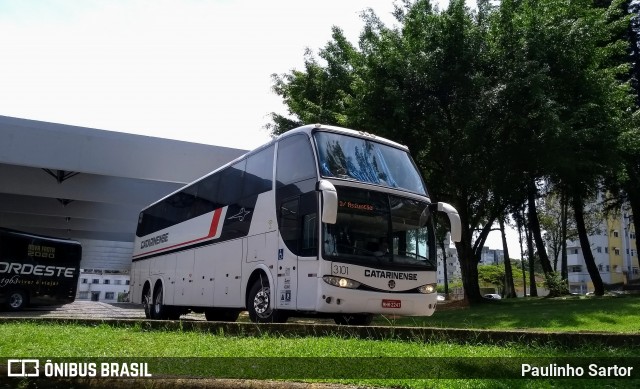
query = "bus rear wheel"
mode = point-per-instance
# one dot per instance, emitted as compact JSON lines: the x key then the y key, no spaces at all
{"x":260,"y":306}
{"x":362,"y":319}
{"x":146,"y":302}
{"x":158,"y":310}
{"x":17,"y":300}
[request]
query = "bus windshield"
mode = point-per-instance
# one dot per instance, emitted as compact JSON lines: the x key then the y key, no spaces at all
{"x":382,"y":230}
{"x":364,"y":160}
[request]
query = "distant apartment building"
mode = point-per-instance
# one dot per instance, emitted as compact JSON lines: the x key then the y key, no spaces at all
{"x":614,"y":250}
{"x":103,"y":285}
{"x":448,"y":267}
{"x":491,"y":256}
{"x":451,"y":265}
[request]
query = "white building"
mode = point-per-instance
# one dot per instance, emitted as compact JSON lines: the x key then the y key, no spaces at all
{"x":614,"y":250}
{"x":491,"y":256}
{"x":103,"y":285}
{"x":89,"y":185}
{"x":453,"y":272}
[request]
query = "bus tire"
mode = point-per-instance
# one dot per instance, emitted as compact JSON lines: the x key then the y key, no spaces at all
{"x":217,"y":314}
{"x":260,"y":306}
{"x":17,"y":300}
{"x":147,"y":302}
{"x":362,"y":319}
{"x":158,"y":310}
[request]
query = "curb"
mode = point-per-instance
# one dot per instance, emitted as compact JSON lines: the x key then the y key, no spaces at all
{"x":164,"y":383}
{"x":420,"y":334}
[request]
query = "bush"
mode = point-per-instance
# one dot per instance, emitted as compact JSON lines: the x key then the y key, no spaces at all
{"x":556,"y":285}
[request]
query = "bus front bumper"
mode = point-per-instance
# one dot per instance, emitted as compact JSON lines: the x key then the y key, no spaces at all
{"x":333,"y":299}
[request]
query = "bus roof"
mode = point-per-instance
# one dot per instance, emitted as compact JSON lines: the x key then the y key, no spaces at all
{"x":306,"y":129}
{"x":9,"y":231}
{"x":310,"y":128}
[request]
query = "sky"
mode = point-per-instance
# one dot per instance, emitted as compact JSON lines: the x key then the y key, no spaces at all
{"x":192,"y":70}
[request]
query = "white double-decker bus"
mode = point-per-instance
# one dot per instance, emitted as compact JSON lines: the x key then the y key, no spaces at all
{"x":320,"y":221}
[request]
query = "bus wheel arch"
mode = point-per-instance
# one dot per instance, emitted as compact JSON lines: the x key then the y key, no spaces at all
{"x":18,"y":299}
{"x":261,"y":300}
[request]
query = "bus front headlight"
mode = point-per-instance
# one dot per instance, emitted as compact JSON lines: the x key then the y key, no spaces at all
{"x":427,"y":289}
{"x":341,"y":282}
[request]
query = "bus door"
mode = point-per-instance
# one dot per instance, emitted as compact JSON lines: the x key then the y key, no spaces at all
{"x":287,"y":261}
{"x":297,"y":262}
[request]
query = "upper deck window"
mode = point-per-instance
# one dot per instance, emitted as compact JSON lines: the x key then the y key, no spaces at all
{"x":364,"y":160}
{"x":295,"y":160}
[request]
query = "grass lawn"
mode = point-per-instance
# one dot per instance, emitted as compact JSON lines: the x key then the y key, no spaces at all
{"x":619,"y":314}
{"x":387,"y":363}
{"x":382,"y":363}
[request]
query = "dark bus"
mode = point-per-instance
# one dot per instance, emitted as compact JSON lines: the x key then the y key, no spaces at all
{"x":37,"y":270}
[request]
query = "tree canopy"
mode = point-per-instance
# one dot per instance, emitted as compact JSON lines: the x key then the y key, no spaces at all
{"x":489,"y":101}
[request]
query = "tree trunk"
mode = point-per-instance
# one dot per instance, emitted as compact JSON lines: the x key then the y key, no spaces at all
{"x":469,"y":269}
{"x":509,"y":287}
{"x":534,"y":228}
{"x":589,"y":260}
{"x":564,"y":269}
{"x":533,"y":288}
{"x":468,"y":262}
{"x":524,"y":272}
{"x":444,"y":267}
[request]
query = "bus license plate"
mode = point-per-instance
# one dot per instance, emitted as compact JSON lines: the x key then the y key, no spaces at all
{"x":391,"y":304}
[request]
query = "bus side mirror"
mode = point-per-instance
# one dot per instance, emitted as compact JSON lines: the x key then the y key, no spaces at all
{"x":329,"y":202}
{"x":454,"y":220}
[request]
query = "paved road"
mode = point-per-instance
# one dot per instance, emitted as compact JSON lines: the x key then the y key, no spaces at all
{"x":89,"y":310}
{"x":100,"y":310}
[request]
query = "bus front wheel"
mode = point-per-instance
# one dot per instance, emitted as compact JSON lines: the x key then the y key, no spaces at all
{"x":259,"y":304}
{"x":17,"y":300}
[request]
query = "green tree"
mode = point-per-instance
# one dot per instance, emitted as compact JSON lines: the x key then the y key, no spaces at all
{"x":421,"y":84}
{"x":626,"y":179}
{"x":492,"y":275}
{"x":594,"y":105}
{"x":563,"y":102}
{"x":490,"y":103}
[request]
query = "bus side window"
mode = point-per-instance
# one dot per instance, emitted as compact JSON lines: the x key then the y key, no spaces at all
{"x":299,"y":225}
{"x":188,"y":198}
{"x":289,"y":225}
{"x":230,"y":187}
{"x":295,"y":160}
{"x":258,"y":176}
{"x":308,"y":224}
{"x":152,"y":220}
{"x":309,"y":235}
{"x":207,"y":196}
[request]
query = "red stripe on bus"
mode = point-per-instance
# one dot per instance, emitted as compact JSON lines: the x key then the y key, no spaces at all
{"x":212,"y":232}
{"x":214,"y":223}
